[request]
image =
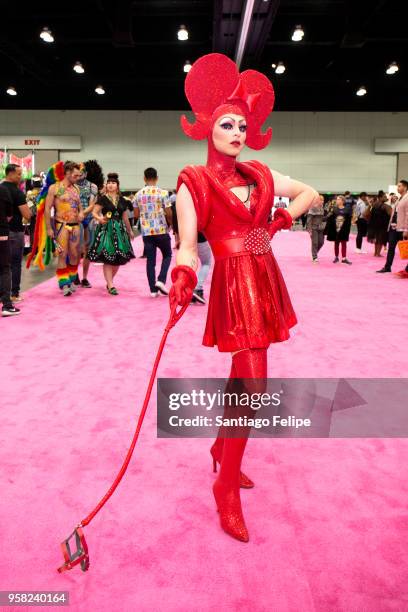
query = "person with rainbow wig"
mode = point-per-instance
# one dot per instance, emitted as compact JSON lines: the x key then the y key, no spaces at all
{"x":64,"y":197}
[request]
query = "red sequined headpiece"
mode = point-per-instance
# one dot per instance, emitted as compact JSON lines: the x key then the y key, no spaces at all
{"x":214,"y":82}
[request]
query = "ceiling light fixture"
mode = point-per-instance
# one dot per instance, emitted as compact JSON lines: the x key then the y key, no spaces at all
{"x":273,"y":65}
{"x":392,"y":68}
{"x":298,"y":34}
{"x":187,"y":66}
{"x":46,"y":35}
{"x":78,"y":68}
{"x":100,"y":90}
{"x":361,"y":91}
{"x":182,"y":34}
{"x":280,"y":68}
{"x":11,"y":91}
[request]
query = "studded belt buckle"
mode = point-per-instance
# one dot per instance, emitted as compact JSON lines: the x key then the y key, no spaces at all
{"x":258,"y":241}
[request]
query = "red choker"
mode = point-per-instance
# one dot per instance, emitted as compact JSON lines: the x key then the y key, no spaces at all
{"x":224,"y":167}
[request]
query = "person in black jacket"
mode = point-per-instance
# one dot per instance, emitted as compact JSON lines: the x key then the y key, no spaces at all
{"x":338,"y":228}
{"x":16,"y":236}
{"x":6,"y":213}
{"x":377,"y":231}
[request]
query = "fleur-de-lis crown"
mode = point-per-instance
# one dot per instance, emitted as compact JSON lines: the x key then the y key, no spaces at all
{"x":214,"y":82}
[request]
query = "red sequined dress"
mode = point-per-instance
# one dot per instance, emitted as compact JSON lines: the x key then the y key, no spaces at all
{"x":249,"y":305}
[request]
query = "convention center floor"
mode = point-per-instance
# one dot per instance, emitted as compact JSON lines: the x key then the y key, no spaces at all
{"x":327,"y":517}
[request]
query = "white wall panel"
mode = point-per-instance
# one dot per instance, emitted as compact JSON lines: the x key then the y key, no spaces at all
{"x":331,"y":151}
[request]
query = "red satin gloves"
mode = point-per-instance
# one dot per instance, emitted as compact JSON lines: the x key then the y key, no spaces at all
{"x":281,"y":220}
{"x":184,"y":281}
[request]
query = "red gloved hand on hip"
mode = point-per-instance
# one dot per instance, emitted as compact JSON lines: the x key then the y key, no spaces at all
{"x":184,"y":281}
{"x":281,"y":220}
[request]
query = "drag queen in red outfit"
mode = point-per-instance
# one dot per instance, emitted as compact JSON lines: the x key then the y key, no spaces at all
{"x":230,"y":202}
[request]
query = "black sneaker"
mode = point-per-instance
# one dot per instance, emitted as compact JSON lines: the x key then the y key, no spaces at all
{"x":336,"y":260}
{"x":383,"y":270}
{"x":85,"y":283}
{"x":198,"y":296}
{"x":346,"y":261}
{"x":77,"y":282}
{"x":10,"y":311}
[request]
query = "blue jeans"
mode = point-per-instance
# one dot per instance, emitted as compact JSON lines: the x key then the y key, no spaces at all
{"x":204,"y":255}
{"x":16,"y":240}
{"x":151,"y":244}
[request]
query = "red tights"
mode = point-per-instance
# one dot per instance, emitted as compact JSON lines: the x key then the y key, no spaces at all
{"x":248,"y":374}
{"x":250,"y":367}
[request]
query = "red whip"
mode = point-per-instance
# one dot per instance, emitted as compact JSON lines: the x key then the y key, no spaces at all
{"x":74,"y":556}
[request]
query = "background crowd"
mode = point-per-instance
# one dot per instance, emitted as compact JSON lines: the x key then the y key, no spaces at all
{"x":380,"y":220}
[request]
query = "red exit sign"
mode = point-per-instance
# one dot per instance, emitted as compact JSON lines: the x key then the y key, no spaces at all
{"x":31,"y":141}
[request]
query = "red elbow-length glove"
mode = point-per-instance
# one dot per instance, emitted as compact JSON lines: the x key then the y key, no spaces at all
{"x":184,"y":281}
{"x":281,"y":220}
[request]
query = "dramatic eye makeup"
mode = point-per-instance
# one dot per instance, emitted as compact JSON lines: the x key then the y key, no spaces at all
{"x":228,"y":124}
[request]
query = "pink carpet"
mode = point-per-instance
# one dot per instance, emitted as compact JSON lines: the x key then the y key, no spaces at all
{"x":328,"y":519}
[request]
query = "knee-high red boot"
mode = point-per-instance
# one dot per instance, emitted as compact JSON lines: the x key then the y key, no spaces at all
{"x":249,"y":364}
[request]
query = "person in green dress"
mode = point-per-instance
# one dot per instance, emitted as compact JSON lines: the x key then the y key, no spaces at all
{"x":112,"y":242}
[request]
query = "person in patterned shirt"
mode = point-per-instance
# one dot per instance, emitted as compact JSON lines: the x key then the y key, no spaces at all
{"x":153,"y":206}
{"x":88,"y":193}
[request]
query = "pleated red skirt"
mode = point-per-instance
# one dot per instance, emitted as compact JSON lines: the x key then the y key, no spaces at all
{"x":249,"y":304}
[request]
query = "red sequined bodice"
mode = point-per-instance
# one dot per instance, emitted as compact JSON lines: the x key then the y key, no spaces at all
{"x":249,"y":306}
{"x":220,"y":213}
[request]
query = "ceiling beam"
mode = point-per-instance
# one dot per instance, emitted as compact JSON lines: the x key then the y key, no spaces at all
{"x":217,"y":42}
{"x":226,"y":24}
{"x":261,"y":26}
{"x":123,"y":26}
{"x":24,"y":62}
{"x":358,"y":16}
{"x":243,"y":31}
{"x":183,"y":8}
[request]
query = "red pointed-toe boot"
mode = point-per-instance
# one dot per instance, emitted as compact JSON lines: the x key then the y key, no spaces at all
{"x":226,"y":490}
{"x":250,"y":366}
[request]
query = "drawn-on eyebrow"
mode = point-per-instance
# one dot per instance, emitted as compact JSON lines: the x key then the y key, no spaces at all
{"x":231,"y":119}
